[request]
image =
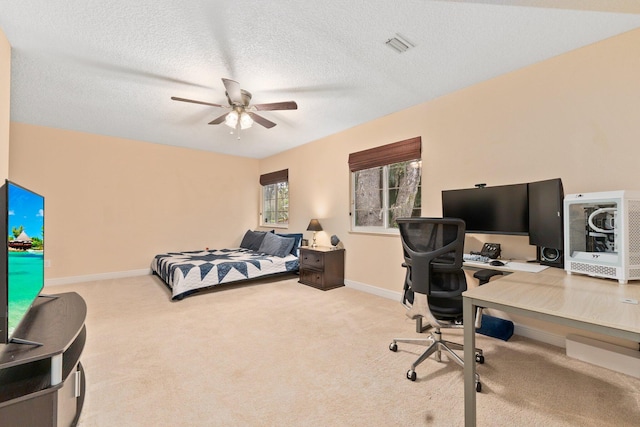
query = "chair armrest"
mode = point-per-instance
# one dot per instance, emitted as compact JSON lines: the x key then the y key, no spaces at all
{"x":485,"y":275}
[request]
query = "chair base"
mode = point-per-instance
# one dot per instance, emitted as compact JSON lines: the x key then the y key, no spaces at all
{"x":435,"y":346}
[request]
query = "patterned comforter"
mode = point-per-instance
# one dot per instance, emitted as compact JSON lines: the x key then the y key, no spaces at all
{"x":185,"y":272}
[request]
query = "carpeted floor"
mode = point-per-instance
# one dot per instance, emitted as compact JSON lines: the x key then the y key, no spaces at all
{"x":278,"y":353}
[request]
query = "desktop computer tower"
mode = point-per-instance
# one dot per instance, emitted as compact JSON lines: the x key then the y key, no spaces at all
{"x":602,"y":234}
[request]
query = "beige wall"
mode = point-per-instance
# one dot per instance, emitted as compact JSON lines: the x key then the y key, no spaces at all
{"x":111,"y":203}
{"x":575,"y":116}
{"x":5,"y":98}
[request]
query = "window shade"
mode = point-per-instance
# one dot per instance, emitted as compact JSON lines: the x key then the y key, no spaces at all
{"x":274,"y":177}
{"x":400,"y":151}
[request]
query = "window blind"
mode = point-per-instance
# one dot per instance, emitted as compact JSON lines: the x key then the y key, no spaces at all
{"x":274,"y":177}
{"x":395,"y":152}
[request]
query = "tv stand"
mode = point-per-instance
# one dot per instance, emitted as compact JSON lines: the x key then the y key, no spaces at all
{"x":44,"y":385}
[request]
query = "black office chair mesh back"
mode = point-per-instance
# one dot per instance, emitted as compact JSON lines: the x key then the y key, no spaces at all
{"x":433,"y":249}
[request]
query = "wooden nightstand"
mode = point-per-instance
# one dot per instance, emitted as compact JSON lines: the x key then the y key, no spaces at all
{"x":322,"y":267}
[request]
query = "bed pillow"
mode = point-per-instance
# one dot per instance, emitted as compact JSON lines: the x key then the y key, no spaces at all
{"x":296,"y":243}
{"x":252,"y":240}
{"x":279,"y":246}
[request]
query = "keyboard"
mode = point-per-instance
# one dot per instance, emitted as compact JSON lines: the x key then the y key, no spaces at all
{"x":476,"y":258}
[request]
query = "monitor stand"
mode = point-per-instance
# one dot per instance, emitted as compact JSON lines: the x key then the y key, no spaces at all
{"x":25,"y":342}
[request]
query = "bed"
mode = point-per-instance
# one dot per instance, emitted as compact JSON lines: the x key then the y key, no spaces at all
{"x":260,"y":254}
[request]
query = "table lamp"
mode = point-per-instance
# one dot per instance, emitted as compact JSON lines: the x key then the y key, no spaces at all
{"x":314,"y":225}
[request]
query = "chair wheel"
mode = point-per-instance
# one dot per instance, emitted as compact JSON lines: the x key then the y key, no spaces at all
{"x":480,"y":358}
{"x":411,"y":375}
{"x":393,"y":347}
{"x":478,"y":387}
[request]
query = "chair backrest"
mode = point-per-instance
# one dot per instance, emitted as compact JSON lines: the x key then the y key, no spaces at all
{"x":433,"y":250}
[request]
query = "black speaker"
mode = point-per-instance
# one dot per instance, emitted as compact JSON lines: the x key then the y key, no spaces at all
{"x":546,"y":227}
{"x":551,"y":257}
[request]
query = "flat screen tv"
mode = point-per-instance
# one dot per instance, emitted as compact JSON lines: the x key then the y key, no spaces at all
{"x":21,"y":255}
{"x":502,"y":209}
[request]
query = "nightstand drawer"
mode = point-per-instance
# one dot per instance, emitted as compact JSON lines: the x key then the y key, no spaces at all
{"x":310,"y":277}
{"x":312,"y":259}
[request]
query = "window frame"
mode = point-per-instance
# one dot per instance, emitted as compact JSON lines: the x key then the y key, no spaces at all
{"x":273,"y":179}
{"x":385,"y":228}
{"x":382,"y":156}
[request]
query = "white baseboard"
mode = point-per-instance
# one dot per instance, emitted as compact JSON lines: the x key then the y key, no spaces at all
{"x":93,"y":277}
{"x":522,"y":330}
{"x":385,"y":293}
{"x":539,"y":335}
{"x":610,"y":356}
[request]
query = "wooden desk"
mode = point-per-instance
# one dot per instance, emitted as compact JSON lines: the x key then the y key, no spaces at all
{"x":572,"y":300}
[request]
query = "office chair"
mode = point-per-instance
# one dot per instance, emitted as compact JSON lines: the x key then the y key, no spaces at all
{"x":434,"y":283}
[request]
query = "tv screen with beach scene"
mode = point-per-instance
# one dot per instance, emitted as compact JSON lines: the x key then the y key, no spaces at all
{"x":21,"y":255}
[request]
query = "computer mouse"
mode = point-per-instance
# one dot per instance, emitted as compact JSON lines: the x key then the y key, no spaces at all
{"x":496,"y":263}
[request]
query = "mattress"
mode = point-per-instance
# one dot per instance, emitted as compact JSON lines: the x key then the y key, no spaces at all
{"x":186,"y":272}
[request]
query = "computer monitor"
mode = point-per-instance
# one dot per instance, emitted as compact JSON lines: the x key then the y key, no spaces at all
{"x":501,"y":209}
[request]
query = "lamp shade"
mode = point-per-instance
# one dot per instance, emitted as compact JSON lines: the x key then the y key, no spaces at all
{"x":245,"y":121}
{"x":232,"y":119}
{"x":314,"y":225}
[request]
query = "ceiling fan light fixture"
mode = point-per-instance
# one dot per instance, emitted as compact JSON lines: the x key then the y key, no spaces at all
{"x":238,"y":117}
{"x":232,"y":119}
{"x":245,"y":120}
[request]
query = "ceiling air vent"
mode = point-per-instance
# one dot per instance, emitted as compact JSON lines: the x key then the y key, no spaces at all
{"x":399,"y":43}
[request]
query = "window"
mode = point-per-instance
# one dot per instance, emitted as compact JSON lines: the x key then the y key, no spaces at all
{"x":386,"y":185}
{"x":275,"y":198}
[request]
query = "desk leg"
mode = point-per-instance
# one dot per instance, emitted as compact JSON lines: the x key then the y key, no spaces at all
{"x":469,"y":363}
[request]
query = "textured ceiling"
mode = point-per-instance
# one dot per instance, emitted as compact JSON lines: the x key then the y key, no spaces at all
{"x":111,"y":67}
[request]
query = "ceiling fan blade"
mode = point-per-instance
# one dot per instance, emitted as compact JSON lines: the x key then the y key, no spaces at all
{"x":261,"y":120}
{"x":219,"y":119}
{"x":286,"y":105}
{"x":233,"y":91}
{"x":175,"y":98}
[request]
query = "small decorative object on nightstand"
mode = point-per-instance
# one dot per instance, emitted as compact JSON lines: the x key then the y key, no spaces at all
{"x":322,"y":267}
{"x":314,"y":225}
{"x":336,"y":243}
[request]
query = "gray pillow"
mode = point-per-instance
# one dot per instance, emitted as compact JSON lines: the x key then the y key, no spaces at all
{"x":273,"y":244}
{"x":297,"y":238}
{"x":252,"y":240}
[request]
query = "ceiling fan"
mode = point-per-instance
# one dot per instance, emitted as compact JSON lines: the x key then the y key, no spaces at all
{"x":242,"y":115}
